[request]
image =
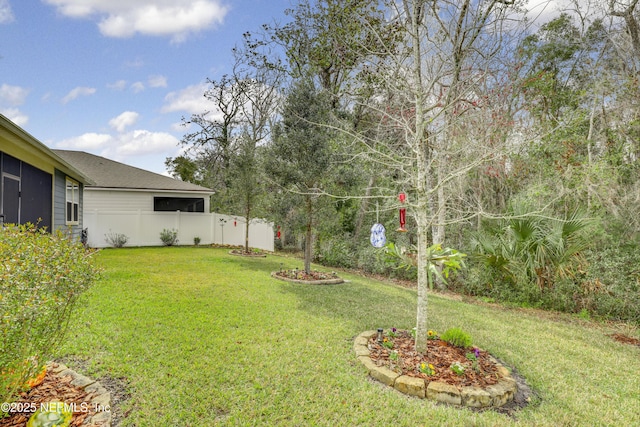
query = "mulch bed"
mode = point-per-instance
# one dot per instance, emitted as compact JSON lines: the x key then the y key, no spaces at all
{"x":53,"y":389}
{"x":242,"y":252}
{"x":441,"y":355}
{"x":302,"y":275}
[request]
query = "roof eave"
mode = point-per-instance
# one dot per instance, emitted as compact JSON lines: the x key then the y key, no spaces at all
{"x":39,"y":146}
{"x":158,"y":190}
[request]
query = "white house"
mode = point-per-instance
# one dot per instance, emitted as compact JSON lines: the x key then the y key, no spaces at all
{"x":140,"y":204}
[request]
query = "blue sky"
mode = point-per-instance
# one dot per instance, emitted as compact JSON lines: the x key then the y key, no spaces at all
{"x":115,"y":77}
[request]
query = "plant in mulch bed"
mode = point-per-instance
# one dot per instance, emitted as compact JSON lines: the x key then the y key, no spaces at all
{"x":51,"y":414}
{"x":444,"y":362}
{"x":427,"y":369}
{"x":302,"y":275}
{"x":456,"y":337}
{"x":458,"y":368}
{"x":251,"y":252}
{"x":55,"y":402}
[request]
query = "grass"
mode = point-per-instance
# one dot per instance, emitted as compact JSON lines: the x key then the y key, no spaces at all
{"x":204,"y":338}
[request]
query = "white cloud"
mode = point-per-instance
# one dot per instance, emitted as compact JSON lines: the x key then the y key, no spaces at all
{"x":10,"y":98}
{"x":123,"y":146}
{"x":157,"y":81}
{"x":77,"y":92}
{"x":137,"y":87}
{"x":13,"y":95}
{"x":142,"y":142}
{"x":124,"y":120}
{"x":118,"y":85}
{"x":15,"y":115}
{"x":89,"y":141}
{"x":125,"y":18}
{"x":6,"y":14}
{"x":190,"y":99}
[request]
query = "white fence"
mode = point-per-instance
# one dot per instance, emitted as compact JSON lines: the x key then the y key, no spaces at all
{"x":143,"y":228}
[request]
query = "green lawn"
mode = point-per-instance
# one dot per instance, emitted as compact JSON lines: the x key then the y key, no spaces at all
{"x":204,"y":338}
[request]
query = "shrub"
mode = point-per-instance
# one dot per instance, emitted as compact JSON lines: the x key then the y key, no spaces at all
{"x":372,"y":260}
{"x":169,"y":237}
{"x":117,"y":240}
{"x":334,"y":252}
{"x":42,"y":276}
{"x":196,"y":241}
{"x":456,"y":337}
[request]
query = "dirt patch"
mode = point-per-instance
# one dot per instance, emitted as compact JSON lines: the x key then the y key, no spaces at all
{"x":625,"y":339}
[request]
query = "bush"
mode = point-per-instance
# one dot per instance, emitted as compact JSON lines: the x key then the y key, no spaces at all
{"x":457,"y":337}
{"x":335,"y":252}
{"x":372,"y":260}
{"x":612,"y":285}
{"x":117,"y":240}
{"x":169,"y":237}
{"x":42,"y":276}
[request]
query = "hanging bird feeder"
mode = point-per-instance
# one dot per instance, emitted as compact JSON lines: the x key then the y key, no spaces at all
{"x":403,"y":213}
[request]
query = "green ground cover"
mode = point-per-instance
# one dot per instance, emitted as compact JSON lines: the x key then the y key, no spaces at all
{"x":204,"y":338}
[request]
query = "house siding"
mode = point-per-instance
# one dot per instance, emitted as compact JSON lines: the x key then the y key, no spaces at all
{"x":122,"y":200}
{"x":60,"y":198}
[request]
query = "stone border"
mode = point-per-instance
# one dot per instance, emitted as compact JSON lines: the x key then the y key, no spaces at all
{"x":309,"y":282}
{"x":475,"y":397}
{"x":99,"y":395}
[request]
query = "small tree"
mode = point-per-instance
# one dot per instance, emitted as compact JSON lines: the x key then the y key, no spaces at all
{"x":258,"y":104}
{"x":300,"y":156}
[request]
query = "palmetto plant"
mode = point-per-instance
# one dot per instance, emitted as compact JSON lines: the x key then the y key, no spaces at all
{"x":441,"y":261}
{"x":534,"y":248}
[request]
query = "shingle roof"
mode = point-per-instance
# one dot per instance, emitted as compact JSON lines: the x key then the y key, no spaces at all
{"x":111,"y":174}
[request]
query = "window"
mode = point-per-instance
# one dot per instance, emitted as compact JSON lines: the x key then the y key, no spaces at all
{"x":73,"y":202}
{"x":182,"y":204}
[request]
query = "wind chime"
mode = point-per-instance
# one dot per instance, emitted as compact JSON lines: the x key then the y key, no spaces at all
{"x":378,"y":238}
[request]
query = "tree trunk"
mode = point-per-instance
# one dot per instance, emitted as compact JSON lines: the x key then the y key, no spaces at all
{"x":424,"y":180}
{"x":309,"y":236}
{"x":422,"y":223}
{"x":246,"y":228}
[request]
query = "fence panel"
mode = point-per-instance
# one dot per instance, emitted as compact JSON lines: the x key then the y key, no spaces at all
{"x":143,"y":228}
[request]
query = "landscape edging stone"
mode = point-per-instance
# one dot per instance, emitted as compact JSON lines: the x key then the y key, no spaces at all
{"x":493,"y":396}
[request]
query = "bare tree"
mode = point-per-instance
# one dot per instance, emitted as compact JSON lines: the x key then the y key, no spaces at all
{"x":258,"y":103}
{"x":211,"y":146}
{"x":432,"y":96}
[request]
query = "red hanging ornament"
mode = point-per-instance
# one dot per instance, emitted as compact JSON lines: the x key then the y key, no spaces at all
{"x":403,"y":213}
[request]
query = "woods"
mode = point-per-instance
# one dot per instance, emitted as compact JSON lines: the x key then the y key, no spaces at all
{"x":514,"y":139}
